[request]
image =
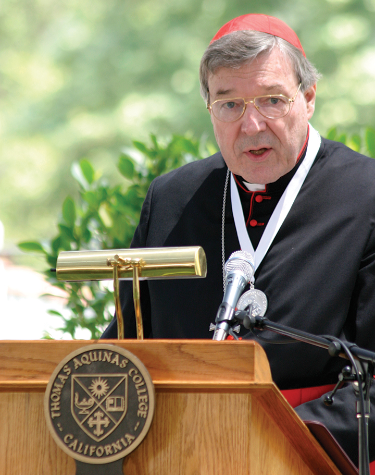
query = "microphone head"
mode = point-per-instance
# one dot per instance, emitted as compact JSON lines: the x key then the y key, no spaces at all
{"x":241,"y":261}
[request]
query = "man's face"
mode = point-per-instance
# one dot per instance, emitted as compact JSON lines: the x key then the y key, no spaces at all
{"x":261,"y":150}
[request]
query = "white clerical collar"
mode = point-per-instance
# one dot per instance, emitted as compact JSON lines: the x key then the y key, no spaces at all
{"x":254,"y":186}
{"x":282,"y":209}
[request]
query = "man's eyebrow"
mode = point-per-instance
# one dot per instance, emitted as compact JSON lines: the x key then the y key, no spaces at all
{"x":273,"y":87}
{"x":223,"y":92}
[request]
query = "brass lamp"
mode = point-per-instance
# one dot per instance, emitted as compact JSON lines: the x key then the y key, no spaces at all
{"x":136,"y":264}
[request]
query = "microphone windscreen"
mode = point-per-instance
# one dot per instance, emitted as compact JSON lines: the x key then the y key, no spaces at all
{"x":241,"y":261}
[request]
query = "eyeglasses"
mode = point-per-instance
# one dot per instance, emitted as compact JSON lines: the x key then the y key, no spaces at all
{"x":270,"y":106}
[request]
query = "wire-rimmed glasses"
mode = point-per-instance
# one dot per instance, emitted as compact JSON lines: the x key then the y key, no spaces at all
{"x":272,"y":106}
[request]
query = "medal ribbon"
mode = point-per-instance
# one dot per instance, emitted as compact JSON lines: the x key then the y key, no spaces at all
{"x":283,"y":206}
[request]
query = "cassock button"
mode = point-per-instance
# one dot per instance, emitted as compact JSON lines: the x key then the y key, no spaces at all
{"x":259,"y":198}
{"x":253,"y":223}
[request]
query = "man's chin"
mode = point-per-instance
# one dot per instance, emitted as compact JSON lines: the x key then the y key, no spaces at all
{"x":262,"y":175}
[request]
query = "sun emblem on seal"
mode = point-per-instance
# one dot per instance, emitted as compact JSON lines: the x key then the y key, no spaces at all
{"x":99,"y":387}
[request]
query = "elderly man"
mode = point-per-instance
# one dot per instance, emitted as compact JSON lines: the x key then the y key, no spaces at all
{"x":302,"y":205}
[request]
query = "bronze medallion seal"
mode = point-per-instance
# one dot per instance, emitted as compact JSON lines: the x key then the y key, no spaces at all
{"x":99,"y":403}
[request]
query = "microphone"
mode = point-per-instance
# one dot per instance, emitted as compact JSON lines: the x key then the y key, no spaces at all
{"x":239,"y":270}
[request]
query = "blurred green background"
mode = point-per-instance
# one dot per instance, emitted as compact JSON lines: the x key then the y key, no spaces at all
{"x":83,"y":79}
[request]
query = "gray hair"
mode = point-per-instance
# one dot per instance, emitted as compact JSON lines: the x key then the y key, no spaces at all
{"x":237,"y":48}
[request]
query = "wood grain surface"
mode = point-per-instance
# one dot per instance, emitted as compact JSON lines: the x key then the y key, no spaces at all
{"x":171,"y":363}
{"x":217,"y":412}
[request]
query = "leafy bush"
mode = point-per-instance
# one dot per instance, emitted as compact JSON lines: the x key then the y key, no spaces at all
{"x":105,"y":217}
{"x":364,"y":143}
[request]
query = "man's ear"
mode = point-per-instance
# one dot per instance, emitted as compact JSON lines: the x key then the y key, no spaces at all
{"x":310,"y":95}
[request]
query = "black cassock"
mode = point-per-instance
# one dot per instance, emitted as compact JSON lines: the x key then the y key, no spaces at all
{"x":318,"y":274}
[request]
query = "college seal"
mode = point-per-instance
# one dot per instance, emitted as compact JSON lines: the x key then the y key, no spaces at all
{"x":99,"y":404}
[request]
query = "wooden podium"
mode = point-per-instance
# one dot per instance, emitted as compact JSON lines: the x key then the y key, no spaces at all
{"x":217,"y":412}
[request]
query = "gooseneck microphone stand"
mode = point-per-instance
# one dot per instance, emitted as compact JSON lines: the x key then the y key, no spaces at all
{"x":360,"y":373}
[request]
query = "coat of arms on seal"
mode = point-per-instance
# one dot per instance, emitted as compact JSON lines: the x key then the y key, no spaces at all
{"x":99,"y":403}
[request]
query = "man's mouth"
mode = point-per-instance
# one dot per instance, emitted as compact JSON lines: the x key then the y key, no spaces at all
{"x":258,"y":152}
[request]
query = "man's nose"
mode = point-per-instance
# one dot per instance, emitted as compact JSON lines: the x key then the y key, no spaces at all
{"x":252,"y":120}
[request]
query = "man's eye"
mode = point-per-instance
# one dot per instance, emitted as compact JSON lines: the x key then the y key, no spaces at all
{"x":229,"y":105}
{"x":271,"y":101}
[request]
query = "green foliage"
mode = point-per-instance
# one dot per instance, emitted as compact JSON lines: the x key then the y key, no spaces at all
{"x":104,"y":217}
{"x":364,"y":143}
